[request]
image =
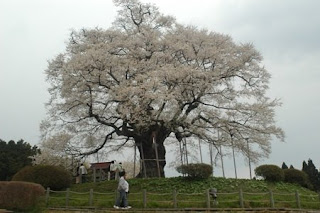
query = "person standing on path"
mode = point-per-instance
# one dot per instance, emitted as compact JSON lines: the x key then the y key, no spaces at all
{"x":83,"y":173}
{"x":123,"y":189}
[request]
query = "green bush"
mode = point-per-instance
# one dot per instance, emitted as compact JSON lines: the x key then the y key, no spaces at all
{"x":196,"y":170}
{"x":296,"y":176}
{"x":271,"y":173}
{"x":48,"y":176}
{"x":21,"y":196}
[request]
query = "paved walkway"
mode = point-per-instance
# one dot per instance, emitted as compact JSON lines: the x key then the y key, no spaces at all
{"x":184,"y":210}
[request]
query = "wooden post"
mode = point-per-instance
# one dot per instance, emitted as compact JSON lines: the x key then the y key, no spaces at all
{"x":211,"y":155}
{"x":156,"y":152}
{"x":271,"y":199}
{"x":208,"y":198}
{"x":241,"y":198}
{"x":200,"y":151}
{"x":134,"y":160}
{"x":234,"y":159}
{"x":185,"y":148}
{"x":144,"y":198}
{"x":298,"y":199}
{"x":222,"y":166}
{"x":109,"y":175}
{"x":94,"y":175}
{"x":67,"y":197}
{"x":100,"y":176}
{"x":181,"y":153}
{"x":47,"y":196}
{"x":175,"y":198}
{"x":143,"y":162}
{"x":91,"y":197}
{"x":249,"y":157}
{"x":80,"y":177}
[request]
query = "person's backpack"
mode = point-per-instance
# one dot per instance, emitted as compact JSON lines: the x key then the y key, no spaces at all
{"x":213,"y":193}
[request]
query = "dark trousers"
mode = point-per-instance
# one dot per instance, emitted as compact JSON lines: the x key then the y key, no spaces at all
{"x":122,"y":199}
{"x":83,"y":178}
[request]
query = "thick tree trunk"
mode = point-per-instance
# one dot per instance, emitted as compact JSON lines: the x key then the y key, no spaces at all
{"x":152,"y":152}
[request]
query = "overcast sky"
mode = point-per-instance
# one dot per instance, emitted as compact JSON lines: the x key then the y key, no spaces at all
{"x":286,"y":32}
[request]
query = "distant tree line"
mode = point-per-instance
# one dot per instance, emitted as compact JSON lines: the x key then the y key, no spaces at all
{"x":312,"y":172}
{"x":14,"y":156}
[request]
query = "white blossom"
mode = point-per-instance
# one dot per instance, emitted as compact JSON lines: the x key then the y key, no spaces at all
{"x":149,"y":71}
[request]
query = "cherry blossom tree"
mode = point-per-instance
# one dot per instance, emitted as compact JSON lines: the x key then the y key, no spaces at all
{"x":148,"y":77}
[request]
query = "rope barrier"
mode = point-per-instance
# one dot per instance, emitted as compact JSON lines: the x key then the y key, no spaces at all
{"x":161,"y":194}
{"x":259,"y":193}
{"x":172,"y":199}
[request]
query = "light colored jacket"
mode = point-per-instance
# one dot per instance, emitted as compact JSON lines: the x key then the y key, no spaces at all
{"x":83,"y":170}
{"x":123,"y":184}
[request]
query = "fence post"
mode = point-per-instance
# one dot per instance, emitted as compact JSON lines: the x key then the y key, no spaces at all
{"x":94,"y":175}
{"x":208,"y":198}
{"x":100,"y":175}
{"x":298,"y":200}
{"x":47,"y":196}
{"x":91,"y":197}
{"x":144,"y":198}
{"x":80,"y":178}
{"x":241,"y":198}
{"x":67,"y":197}
{"x":174,"y":198}
{"x":271,"y":199}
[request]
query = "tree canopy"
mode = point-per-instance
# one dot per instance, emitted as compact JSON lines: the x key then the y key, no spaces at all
{"x":284,"y":166}
{"x":14,"y":156}
{"x":313,"y":174}
{"x":148,"y":77}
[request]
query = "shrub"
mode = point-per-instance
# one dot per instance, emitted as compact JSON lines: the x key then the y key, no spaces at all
{"x":196,"y":170}
{"x":271,"y":173}
{"x":48,"y":176}
{"x":20,"y":196}
{"x":25,"y":174}
{"x":296,"y":176}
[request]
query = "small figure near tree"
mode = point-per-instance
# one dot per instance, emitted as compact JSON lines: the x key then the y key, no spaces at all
{"x":123,"y":189}
{"x":117,"y":168}
{"x":83,"y":173}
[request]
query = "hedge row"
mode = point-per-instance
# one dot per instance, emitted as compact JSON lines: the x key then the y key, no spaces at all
{"x":274,"y":173}
{"x":196,"y":170}
{"x":15,"y":195}
{"x":47,"y":175}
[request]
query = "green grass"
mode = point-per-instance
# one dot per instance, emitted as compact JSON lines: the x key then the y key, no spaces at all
{"x":189,"y":194}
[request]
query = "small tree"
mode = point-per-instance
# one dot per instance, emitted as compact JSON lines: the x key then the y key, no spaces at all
{"x":20,"y":196}
{"x":313,"y":174}
{"x":48,"y":176}
{"x":196,"y":170}
{"x":284,"y":166}
{"x":271,"y":173}
{"x":14,"y":156}
{"x":55,"y":152}
{"x":296,"y":176}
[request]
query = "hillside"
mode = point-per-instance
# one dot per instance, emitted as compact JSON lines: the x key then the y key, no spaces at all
{"x":183,"y":185}
{"x":179,"y":192}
